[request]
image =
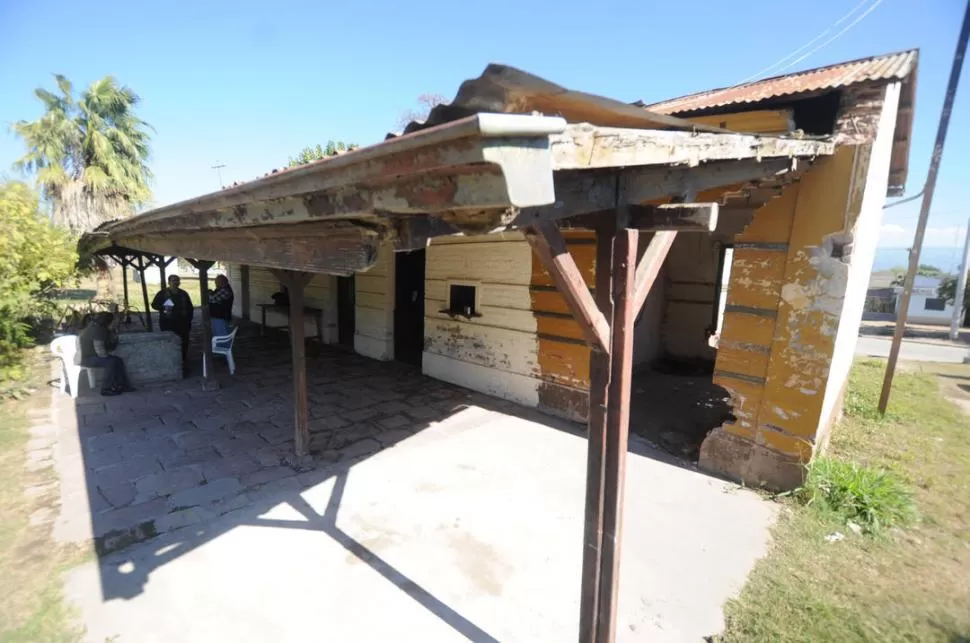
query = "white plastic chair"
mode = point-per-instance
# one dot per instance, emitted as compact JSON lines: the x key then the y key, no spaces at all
{"x":222,"y":345}
{"x":65,"y":348}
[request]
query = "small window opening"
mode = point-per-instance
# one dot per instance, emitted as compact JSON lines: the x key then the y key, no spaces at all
{"x":934,"y":303}
{"x":461,"y":301}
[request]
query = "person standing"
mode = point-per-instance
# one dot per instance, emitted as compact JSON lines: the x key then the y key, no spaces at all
{"x":220,"y":306}
{"x":95,"y":345}
{"x":175,"y":313}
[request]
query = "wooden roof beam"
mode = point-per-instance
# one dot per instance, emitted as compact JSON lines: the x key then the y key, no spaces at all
{"x":590,"y":193}
{"x":586,"y":147}
{"x":682,"y":217}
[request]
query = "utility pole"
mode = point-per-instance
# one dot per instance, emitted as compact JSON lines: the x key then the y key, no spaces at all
{"x":218,"y":168}
{"x":924,"y":212}
{"x":957,"y":320}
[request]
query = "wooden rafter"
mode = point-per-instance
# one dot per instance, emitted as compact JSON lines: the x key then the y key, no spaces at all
{"x":549,"y":245}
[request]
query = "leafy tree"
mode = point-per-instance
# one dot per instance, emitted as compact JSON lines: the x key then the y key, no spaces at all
{"x":89,"y":155}
{"x":310,"y":154}
{"x":35,"y":258}
{"x":948,"y":290}
{"x":923,"y":270}
{"x":426,"y":102}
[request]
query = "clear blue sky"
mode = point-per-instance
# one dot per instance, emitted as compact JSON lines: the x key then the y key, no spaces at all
{"x":250,"y":83}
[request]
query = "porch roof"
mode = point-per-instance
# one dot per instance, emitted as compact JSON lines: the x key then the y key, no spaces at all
{"x":482,"y":172}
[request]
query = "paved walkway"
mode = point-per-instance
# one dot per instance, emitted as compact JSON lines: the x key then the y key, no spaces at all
{"x":429,"y":513}
{"x":911,"y":350}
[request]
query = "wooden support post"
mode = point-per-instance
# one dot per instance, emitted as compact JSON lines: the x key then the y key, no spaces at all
{"x":599,"y":377}
{"x":162,"y":264}
{"x":124,"y":283}
{"x":550,"y":246}
{"x":295,"y":283}
{"x":650,"y":265}
{"x":617,"y":427}
{"x":144,"y":292}
{"x":203,"y":268}
{"x":244,"y":275}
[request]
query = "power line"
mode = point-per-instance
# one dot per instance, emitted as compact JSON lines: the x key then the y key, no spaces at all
{"x":811,"y":42}
{"x":836,"y":36}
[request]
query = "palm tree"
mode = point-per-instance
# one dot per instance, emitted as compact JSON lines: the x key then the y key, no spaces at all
{"x":89,"y":156}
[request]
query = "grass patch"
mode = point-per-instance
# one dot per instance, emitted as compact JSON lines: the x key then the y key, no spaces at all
{"x":908,"y":584}
{"x":31,"y":564}
{"x":873,"y":499}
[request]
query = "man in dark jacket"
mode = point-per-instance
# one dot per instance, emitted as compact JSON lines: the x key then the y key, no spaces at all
{"x":94,"y":350}
{"x":220,"y":306}
{"x":175,"y":313}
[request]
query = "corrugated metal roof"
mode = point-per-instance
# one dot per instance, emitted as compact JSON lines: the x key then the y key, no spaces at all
{"x":507,"y":90}
{"x":895,"y":66}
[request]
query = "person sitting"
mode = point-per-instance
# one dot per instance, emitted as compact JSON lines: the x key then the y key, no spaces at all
{"x":96,"y":342}
{"x":220,"y":306}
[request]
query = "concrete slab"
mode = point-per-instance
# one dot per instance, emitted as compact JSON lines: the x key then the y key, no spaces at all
{"x":471,"y":529}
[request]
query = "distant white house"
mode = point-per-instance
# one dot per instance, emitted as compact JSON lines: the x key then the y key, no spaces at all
{"x":925,"y":307}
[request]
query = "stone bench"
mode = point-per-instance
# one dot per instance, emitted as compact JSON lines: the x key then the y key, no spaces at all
{"x":151,"y":357}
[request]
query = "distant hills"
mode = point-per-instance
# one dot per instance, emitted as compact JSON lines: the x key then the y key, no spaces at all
{"x":946,"y":259}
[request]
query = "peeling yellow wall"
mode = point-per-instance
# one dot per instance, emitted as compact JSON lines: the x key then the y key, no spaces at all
{"x":785,"y":298}
{"x":563,"y":354}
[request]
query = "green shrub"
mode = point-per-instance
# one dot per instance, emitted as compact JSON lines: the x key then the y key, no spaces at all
{"x":875,"y":499}
{"x":35,"y":259}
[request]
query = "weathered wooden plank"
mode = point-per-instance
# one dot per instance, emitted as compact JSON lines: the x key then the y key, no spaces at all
{"x":617,"y":427}
{"x":584,"y":254}
{"x":501,"y":262}
{"x":492,"y":295}
{"x":756,"y":277}
{"x":683,"y":217}
{"x":599,"y":381}
{"x":762,"y":121}
{"x":341,"y":255}
{"x":507,"y":350}
{"x":586,"y":146}
{"x":650,"y":265}
{"x":550,"y":246}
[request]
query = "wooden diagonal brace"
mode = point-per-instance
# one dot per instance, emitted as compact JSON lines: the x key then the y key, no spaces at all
{"x":649,"y":266}
{"x":550,"y":246}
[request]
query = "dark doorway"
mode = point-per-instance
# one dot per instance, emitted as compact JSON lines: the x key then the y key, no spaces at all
{"x":409,"y":307}
{"x":346,"y":315}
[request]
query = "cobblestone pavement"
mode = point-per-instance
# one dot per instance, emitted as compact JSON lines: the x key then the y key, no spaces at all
{"x":168,"y":456}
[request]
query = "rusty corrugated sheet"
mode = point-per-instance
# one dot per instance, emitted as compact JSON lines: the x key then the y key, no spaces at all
{"x":896,"y":66}
{"x":900,"y":66}
{"x":507,"y":90}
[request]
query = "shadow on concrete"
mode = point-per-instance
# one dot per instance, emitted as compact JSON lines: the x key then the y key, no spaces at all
{"x":175,"y":461}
